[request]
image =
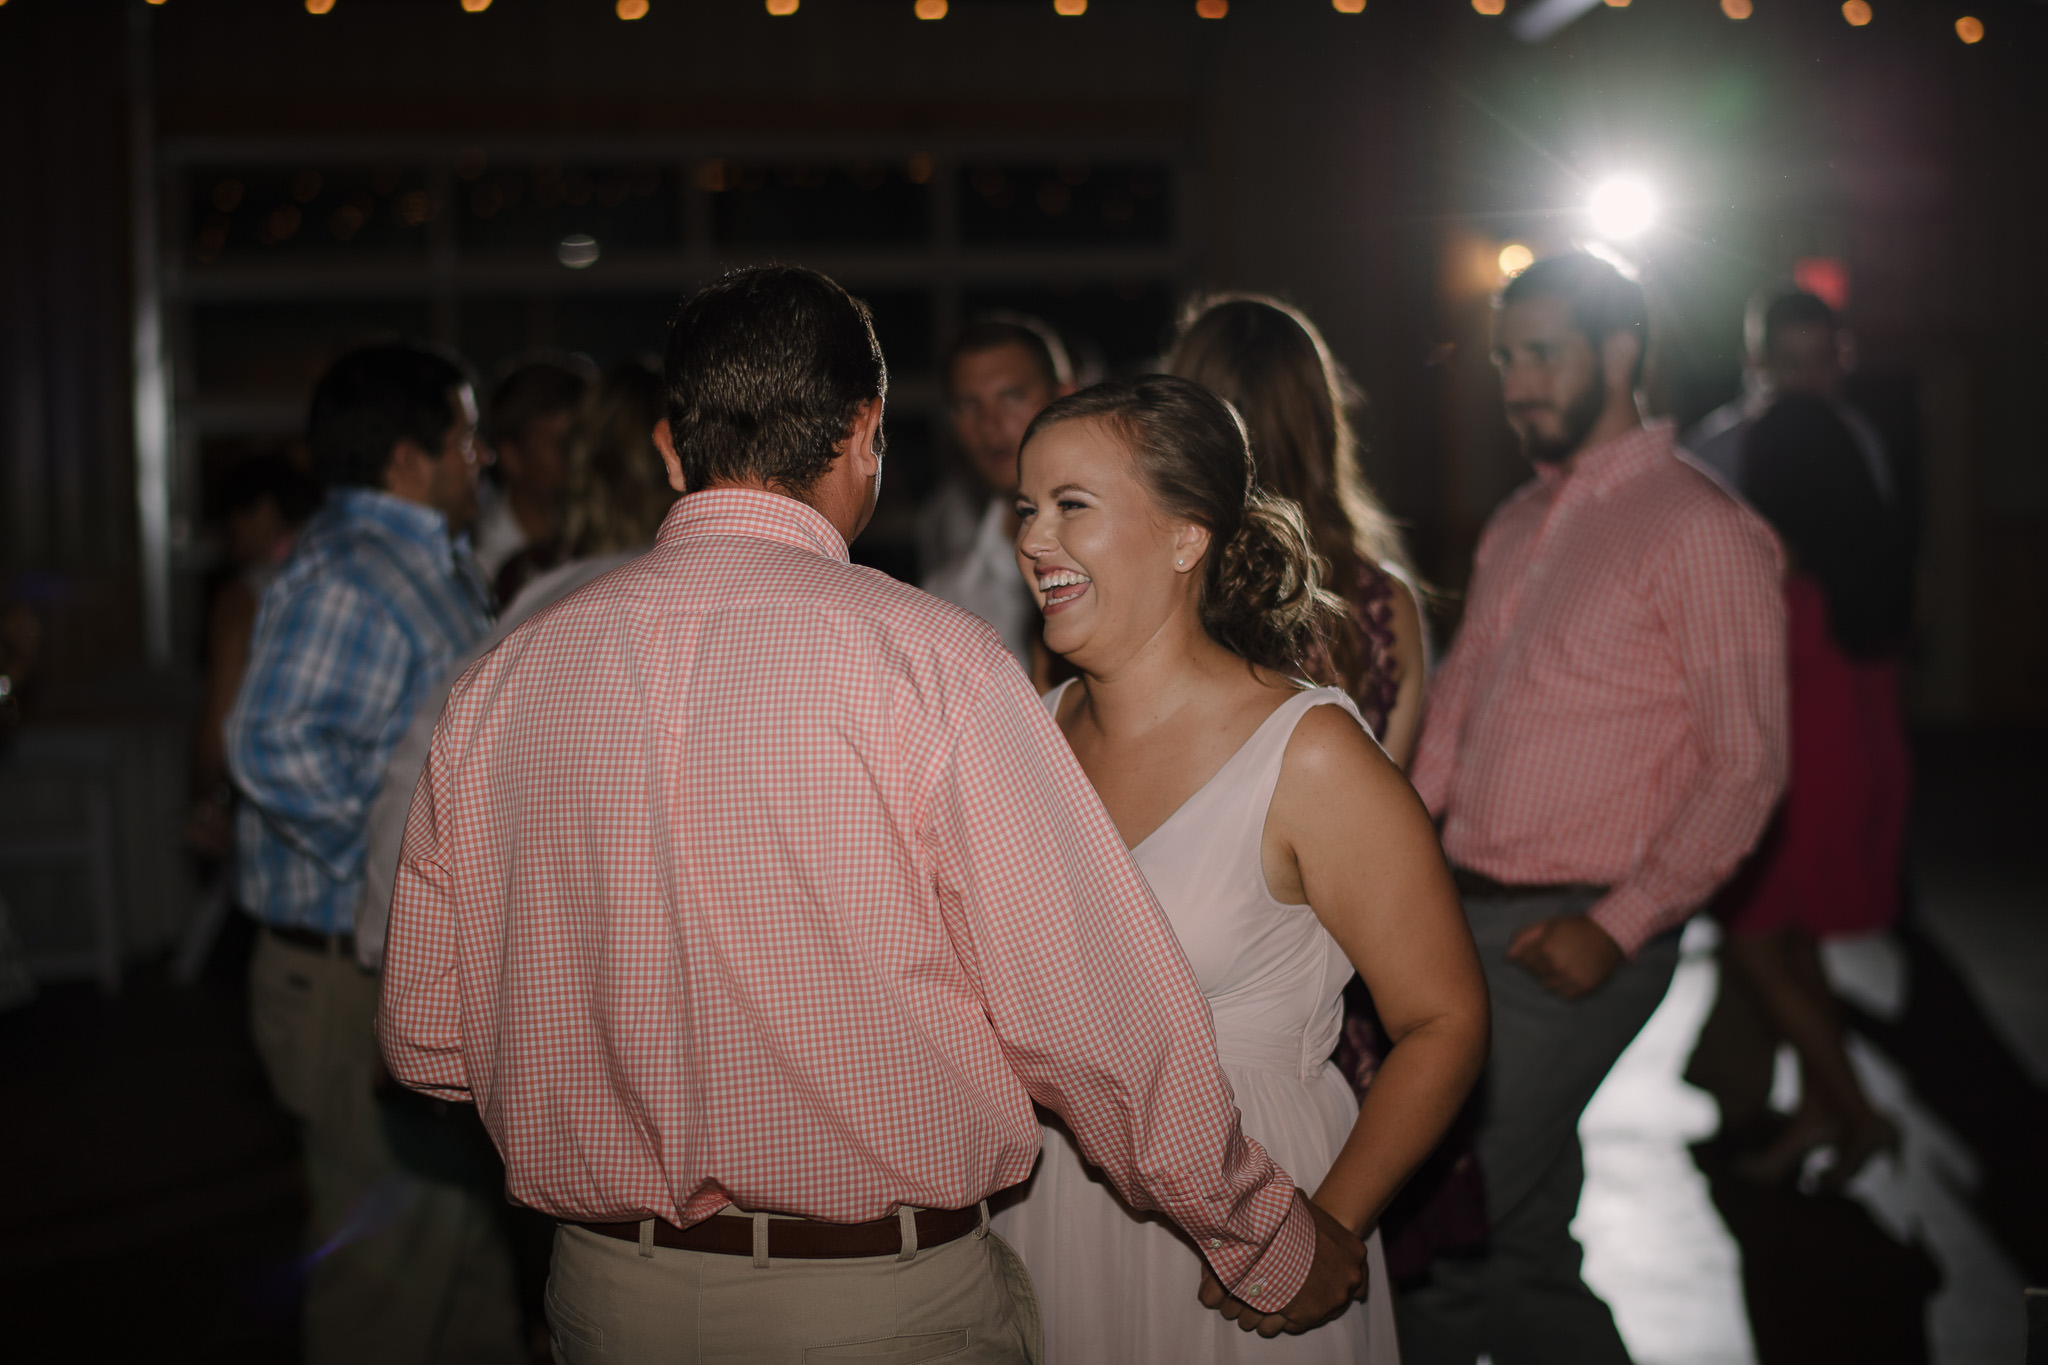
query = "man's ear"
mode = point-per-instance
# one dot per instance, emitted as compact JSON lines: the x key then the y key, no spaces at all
{"x":665,"y":442}
{"x":410,"y":472}
{"x":861,"y":438}
{"x":1618,"y":353}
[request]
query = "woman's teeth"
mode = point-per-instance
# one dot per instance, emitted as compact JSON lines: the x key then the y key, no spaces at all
{"x":1063,"y":586}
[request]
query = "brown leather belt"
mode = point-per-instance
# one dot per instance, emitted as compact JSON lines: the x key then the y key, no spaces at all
{"x":801,"y":1239}
{"x":1479,"y":886}
{"x":341,"y":945}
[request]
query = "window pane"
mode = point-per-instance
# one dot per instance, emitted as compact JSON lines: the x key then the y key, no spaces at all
{"x":1077,"y":203}
{"x":531,"y":208}
{"x":860,"y":203}
{"x":240,"y":213}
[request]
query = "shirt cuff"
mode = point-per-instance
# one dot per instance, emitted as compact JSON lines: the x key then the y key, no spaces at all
{"x":1277,"y":1276}
{"x":1632,"y":919}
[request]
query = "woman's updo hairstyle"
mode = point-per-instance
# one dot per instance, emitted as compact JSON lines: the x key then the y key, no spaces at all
{"x":1261,"y":593}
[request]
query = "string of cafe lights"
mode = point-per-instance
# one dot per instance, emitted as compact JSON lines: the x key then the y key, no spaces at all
{"x":1856,"y":13}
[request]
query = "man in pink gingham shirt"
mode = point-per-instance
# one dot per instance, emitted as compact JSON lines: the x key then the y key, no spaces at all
{"x":746,"y":879}
{"x":1603,"y":746}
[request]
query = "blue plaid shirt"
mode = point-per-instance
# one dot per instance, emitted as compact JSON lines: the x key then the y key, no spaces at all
{"x":366,"y":616}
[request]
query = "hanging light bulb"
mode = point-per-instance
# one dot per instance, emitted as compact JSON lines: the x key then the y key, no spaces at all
{"x":1969,"y":29}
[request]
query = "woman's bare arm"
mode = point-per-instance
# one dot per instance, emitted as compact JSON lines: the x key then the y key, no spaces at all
{"x":1347,"y":835}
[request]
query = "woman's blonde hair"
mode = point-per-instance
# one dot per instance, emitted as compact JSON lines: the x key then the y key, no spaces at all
{"x":616,"y":488}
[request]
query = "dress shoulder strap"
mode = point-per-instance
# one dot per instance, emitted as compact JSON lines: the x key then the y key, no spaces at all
{"x":1262,"y":776}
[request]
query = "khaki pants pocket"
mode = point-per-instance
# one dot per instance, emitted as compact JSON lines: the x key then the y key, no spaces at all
{"x":576,"y":1339}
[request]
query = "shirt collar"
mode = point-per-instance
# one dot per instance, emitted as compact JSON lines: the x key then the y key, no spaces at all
{"x":1598,"y":470}
{"x":753,"y":513}
{"x":422,"y":525}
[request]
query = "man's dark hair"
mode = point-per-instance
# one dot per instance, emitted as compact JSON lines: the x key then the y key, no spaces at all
{"x":1603,"y":300}
{"x":370,"y":400}
{"x":766,"y":370}
{"x":991,"y":330}
{"x":532,"y":390}
{"x":1773,"y":310}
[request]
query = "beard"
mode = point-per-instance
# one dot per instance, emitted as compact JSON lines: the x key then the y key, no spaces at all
{"x":1578,"y":420}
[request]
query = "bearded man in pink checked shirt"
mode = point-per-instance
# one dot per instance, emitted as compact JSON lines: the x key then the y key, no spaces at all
{"x":753,"y":898}
{"x":1604,"y":744}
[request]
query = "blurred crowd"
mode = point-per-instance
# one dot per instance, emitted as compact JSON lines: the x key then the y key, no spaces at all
{"x":1674,"y":691}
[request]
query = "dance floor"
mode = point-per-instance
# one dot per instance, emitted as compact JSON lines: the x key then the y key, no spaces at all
{"x":1925,"y":1258}
{"x":157,"y":1195}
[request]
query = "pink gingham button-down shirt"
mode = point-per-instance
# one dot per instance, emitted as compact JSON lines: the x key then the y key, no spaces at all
{"x":1615,"y":708}
{"x":748,"y":875}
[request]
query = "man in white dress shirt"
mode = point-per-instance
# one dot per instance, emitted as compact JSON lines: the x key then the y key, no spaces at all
{"x":1000,"y":373}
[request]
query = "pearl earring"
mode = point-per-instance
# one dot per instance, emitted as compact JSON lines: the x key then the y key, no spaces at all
{"x":1180,"y":563}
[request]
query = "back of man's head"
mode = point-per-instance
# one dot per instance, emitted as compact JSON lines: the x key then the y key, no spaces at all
{"x":532,"y":390}
{"x":1602,"y":299}
{"x":1773,"y":312}
{"x":766,"y":370}
{"x":370,"y":400}
{"x":1035,"y":337}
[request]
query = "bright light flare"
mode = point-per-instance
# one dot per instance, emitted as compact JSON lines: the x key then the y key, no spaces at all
{"x":319,"y":6}
{"x":1515,"y":258}
{"x":1070,"y":9}
{"x":1348,"y":6}
{"x":1489,"y":7}
{"x":1737,"y":9}
{"x":1857,"y":12}
{"x":1621,"y":208}
{"x":1212,"y":9}
{"x":782,"y":9}
{"x":630,"y":10}
{"x":475,"y":6}
{"x":930,"y":9}
{"x":1970,"y":30}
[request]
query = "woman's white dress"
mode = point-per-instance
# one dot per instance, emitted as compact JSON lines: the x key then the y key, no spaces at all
{"x":1116,"y":1286}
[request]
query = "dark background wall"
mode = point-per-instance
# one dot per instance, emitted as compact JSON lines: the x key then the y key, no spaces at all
{"x":1368,"y":167}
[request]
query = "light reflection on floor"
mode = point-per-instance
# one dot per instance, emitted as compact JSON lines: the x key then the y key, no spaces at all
{"x":1657,"y":1250}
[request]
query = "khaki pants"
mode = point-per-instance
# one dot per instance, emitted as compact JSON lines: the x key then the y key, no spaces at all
{"x":968,"y":1302}
{"x":399,"y":1269}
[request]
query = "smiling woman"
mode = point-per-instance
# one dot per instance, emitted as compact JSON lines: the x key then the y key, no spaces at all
{"x":1160,"y":470}
{"x":1283,"y":845}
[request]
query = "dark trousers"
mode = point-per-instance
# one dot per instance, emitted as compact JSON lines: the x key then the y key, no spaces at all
{"x":1523,"y":1301}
